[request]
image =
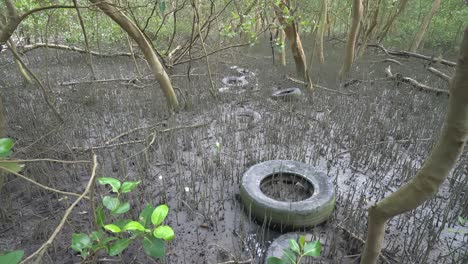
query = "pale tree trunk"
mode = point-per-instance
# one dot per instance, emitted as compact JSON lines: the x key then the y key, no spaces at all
{"x":282,"y":37}
{"x":352,"y":37}
{"x":109,"y":8}
{"x":434,"y":171}
{"x":398,"y":9}
{"x":292,"y":35}
{"x":424,"y":25}
{"x":323,"y":27}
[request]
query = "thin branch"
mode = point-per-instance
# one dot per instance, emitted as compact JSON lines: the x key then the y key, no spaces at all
{"x":51,"y":239}
{"x":51,"y":160}
{"x":28,"y":48}
{"x":40,"y":185}
{"x":43,"y":89}
{"x":42,"y":8}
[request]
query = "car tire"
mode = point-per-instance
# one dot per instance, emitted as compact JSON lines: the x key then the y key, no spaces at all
{"x":306,"y":213}
{"x":288,"y":94}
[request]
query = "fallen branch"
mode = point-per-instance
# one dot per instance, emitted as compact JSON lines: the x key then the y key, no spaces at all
{"x":147,"y":77}
{"x":388,"y":60}
{"x":51,"y":239}
{"x":400,"y":78}
{"x":380,"y":143}
{"x":137,"y":141}
{"x":318,"y":86}
{"x":439,"y":74}
{"x":412,"y":54}
{"x":28,"y":48}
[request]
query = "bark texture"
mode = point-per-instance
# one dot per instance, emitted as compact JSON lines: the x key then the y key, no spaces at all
{"x":110,"y":9}
{"x":352,"y":37}
{"x":292,"y":35}
{"x":282,"y":37}
{"x":435,"y":170}
{"x":424,"y":25}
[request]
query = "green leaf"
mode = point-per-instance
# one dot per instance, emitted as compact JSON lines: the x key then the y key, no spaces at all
{"x":122,"y":222}
{"x":113,"y":228}
{"x":274,"y":260}
{"x":80,"y":242}
{"x":313,"y":249}
{"x":100,"y":217}
{"x":289,"y":256}
{"x":129,"y":186}
{"x":159,"y":214}
{"x":97,"y":235}
{"x":153,"y":247}
{"x":12,"y":166}
{"x":134,"y":225}
{"x":294,"y":246}
{"x":302,"y":241}
{"x":462,"y":220}
{"x":119,"y":246}
{"x":110,"y":203}
{"x":145,"y":216}
{"x":164,"y":232}
{"x":112,"y":182}
{"x":6,"y":144}
{"x":122,"y":208}
{"x":13,"y":257}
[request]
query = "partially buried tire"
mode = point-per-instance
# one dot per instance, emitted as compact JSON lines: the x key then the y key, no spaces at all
{"x":288,"y":94}
{"x":285,"y":210}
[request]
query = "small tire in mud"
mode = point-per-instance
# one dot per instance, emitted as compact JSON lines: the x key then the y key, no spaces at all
{"x":288,"y":94}
{"x":314,"y":207}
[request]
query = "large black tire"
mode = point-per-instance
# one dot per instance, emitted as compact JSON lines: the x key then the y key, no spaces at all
{"x":306,"y":213}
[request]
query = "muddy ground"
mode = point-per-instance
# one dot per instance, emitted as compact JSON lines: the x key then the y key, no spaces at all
{"x":370,"y":137}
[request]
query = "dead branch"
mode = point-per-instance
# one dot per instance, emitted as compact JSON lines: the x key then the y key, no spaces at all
{"x":400,"y":78}
{"x":439,"y":74}
{"x":28,"y":48}
{"x":51,"y":239}
{"x":412,"y":54}
{"x":388,"y":60}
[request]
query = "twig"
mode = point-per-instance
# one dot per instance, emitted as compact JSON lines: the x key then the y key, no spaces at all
{"x":51,"y":239}
{"x":128,"y":132}
{"x":40,"y":185}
